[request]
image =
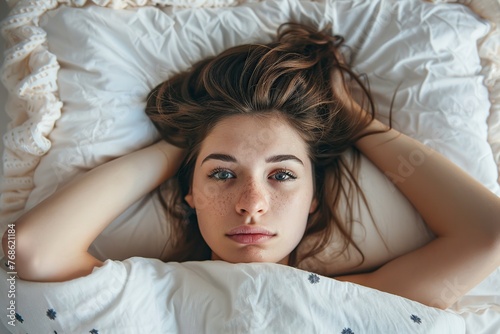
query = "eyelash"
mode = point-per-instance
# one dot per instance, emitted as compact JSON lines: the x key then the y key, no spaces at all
{"x":291,"y":176}
{"x":217,"y":170}
{"x":213,"y":174}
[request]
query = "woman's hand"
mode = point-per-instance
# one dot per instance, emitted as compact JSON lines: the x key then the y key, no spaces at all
{"x":53,"y":237}
{"x":462,"y":213}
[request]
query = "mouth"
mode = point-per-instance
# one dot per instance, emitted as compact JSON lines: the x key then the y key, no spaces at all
{"x":250,"y":235}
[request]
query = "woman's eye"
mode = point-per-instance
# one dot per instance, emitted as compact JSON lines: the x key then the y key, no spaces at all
{"x":221,"y":174}
{"x":282,"y":176}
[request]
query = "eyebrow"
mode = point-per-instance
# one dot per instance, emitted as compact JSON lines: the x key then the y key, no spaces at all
{"x":219,"y":156}
{"x":271,"y":159}
{"x":283,"y":157}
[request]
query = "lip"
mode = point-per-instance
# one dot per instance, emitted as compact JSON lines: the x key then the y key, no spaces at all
{"x":250,"y":235}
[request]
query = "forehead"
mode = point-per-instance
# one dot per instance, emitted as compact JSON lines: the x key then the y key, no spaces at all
{"x":254,"y":135}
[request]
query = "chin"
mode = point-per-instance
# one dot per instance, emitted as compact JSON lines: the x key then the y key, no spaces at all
{"x":253,"y":258}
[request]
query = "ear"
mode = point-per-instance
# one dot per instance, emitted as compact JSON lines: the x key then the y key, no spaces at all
{"x":189,"y":199}
{"x":314,"y":205}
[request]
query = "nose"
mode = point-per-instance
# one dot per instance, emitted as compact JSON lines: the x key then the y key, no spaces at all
{"x":253,"y":200}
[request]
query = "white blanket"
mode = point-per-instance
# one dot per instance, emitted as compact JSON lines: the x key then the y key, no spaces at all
{"x":148,"y":296}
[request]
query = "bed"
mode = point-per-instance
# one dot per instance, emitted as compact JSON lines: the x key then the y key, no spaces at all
{"x":77,"y":73}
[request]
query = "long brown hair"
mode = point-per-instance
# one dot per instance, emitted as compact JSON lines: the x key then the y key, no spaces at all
{"x":303,"y":77}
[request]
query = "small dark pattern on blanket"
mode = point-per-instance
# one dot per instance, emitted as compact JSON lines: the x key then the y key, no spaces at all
{"x":416,"y":319}
{"x":313,"y":278}
{"x":51,"y":314}
{"x":19,"y":318}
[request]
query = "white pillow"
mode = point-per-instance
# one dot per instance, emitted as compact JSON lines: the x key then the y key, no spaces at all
{"x":110,"y":59}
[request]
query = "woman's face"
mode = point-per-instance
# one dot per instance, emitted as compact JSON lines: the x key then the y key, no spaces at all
{"x":252,"y":189}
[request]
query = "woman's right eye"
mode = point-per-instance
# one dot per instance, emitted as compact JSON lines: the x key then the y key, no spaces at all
{"x":221,"y":174}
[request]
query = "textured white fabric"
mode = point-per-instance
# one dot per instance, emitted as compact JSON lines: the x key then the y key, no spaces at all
{"x":489,"y":51}
{"x":29,"y":72}
{"x":481,"y":306}
{"x":122,"y":4}
{"x":148,"y":296}
{"x":489,"y":9}
{"x":109,"y":59}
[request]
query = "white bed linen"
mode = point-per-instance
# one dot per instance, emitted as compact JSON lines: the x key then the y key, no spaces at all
{"x":141,"y":295}
{"x":108,"y":66}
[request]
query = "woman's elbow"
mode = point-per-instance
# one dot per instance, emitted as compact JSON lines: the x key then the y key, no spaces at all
{"x":19,"y":254}
{"x":496,"y":244}
{"x":491,"y":239}
{"x":496,"y":228}
{"x":484,"y":236}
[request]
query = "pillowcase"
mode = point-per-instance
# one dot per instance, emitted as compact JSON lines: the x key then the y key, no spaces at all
{"x":110,"y":59}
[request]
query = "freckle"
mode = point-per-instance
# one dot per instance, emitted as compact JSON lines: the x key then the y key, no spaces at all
{"x":223,"y":204}
{"x":279,"y":202}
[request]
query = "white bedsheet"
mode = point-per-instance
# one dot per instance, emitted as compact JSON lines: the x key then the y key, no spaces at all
{"x":148,"y":296}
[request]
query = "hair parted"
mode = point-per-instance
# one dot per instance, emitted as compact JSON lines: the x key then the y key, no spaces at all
{"x":302,"y":77}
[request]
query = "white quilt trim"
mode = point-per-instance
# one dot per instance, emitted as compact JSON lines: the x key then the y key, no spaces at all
{"x":122,"y":4}
{"x":489,"y":51}
{"x":32,"y":105}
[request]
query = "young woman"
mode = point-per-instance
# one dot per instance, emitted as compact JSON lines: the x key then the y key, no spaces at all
{"x":252,"y":156}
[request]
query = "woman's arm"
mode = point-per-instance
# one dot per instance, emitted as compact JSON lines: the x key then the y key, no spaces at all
{"x":52,"y":239}
{"x":464,"y":215}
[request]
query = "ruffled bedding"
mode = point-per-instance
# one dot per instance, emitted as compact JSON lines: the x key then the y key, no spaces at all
{"x":77,"y":73}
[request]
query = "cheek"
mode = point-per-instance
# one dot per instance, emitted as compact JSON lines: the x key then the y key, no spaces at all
{"x":210,"y":200}
{"x":293,"y":206}
{"x":282,"y":202}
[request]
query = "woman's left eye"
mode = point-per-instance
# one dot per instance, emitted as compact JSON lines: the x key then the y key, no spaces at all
{"x":221,"y":174}
{"x":283,"y":175}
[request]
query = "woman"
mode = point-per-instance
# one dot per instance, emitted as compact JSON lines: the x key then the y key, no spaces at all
{"x":258,"y":134}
